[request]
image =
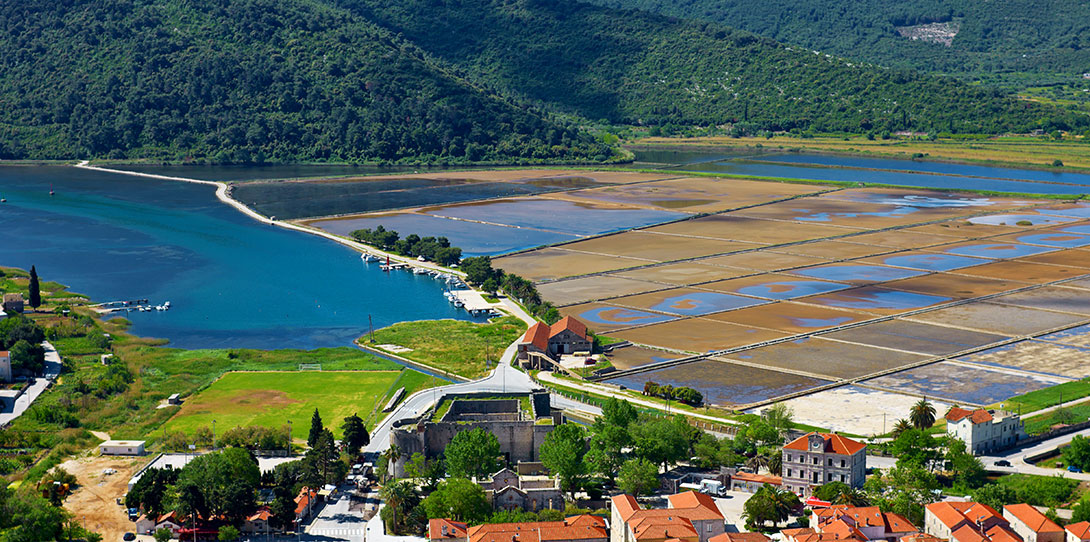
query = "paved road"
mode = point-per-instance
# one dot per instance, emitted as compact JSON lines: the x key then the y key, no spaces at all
{"x":336,"y":520}
{"x":52,"y":369}
{"x":1017,"y":458}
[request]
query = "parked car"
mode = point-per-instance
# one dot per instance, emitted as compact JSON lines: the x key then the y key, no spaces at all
{"x":1073,"y":468}
{"x":129,"y":537}
{"x":1002,"y":463}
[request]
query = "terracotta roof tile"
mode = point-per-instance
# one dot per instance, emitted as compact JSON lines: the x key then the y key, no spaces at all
{"x":1033,"y":518}
{"x":761,"y":478}
{"x":538,"y":335}
{"x":740,"y":537}
{"x":455,"y":529}
{"x":571,"y":324}
{"x":695,"y":506}
{"x":1081,"y":530}
{"x":979,"y":415}
{"x":833,"y":443}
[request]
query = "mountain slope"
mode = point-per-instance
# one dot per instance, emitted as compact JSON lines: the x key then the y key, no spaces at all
{"x":991,"y":39}
{"x":631,"y":66}
{"x":245,"y":80}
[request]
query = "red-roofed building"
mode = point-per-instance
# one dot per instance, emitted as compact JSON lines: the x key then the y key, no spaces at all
{"x":984,"y":431}
{"x":868,"y":522}
{"x":807,"y":534}
{"x":921,"y":537}
{"x":446,"y":529}
{"x":691,"y":517}
{"x":1030,"y":524}
{"x":567,"y":336}
{"x":967,"y":522}
{"x":583,"y":528}
{"x":751,"y":483}
{"x":740,"y":537}
{"x":258,"y":522}
{"x":1078,"y":532}
{"x":304,"y":503}
{"x":816,"y":459}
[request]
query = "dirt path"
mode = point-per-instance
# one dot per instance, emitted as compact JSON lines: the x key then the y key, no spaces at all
{"x":94,"y":503}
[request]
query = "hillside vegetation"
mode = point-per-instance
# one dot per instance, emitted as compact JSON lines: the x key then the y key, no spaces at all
{"x":451,"y":81}
{"x":245,"y":80}
{"x":994,"y":41}
{"x":629,"y":66}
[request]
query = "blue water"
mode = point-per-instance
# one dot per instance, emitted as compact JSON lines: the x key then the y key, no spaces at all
{"x":474,"y":238}
{"x":1011,"y":220}
{"x":875,"y":298}
{"x":1056,"y":240}
{"x":858,"y":272}
{"x":934,"y":262}
{"x":791,"y":289}
{"x":232,"y":282}
{"x":998,"y":250}
{"x":698,"y":303}
{"x":880,"y":170}
{"x":556,"y":215}
{"x":618,"y":316}
{"x":821,"y":322}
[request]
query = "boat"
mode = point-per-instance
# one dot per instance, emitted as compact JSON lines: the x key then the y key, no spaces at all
{"x":459,"y":304}
{"x":419,"y":271}
{"x":167,"y":304}
{"x":368,"y":257}
{"x":51,"y":189}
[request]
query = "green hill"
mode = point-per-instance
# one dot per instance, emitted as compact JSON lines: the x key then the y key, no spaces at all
{"x":245,"y":80}
{"x":1010,"y":42}
{"x":630,"y":66}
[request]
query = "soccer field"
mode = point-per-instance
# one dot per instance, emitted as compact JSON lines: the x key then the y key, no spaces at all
{"x":271,"y":399}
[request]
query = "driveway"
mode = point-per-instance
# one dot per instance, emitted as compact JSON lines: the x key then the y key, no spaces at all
{"x":52,"y":369}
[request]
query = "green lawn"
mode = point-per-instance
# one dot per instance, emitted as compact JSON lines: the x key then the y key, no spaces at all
{"x":272,"y":398}
{"x":1043,"y":398}
{"x":1075,"y":414}
{"x":455,"y":346}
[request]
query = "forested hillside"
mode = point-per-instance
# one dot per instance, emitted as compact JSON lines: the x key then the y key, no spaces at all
{"x":428,"y":80}
{"x":245,"y":80}
{"x":636,"y":67}
{"x":993,"y":39}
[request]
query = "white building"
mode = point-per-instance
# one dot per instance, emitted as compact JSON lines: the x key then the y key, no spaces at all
{"x":5,"y":366}
{"x":122,"y":447}
{"x":1029,"y":523}
{"x":816,"y":459}
{"x":984,"y":431}
{"x":1078,"y":532}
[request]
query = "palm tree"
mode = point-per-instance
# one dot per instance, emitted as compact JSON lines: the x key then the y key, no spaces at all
{"x":851,"y":497}
{"x":922,"y":414}
{"x":901,"y":426}
{"x":783,"y":503}
{"x":391,"y":456}
{"x":395,"y":495}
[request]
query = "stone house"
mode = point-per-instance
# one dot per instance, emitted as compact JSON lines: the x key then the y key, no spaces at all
{"x":967,"y":522}
{"x":864,"y":522}
{"x":690,"y":517}
{"x":567,"y":336}
{"x":508,"y":490}
{"x":816,"y":459}
{"x":1078,"y":532}
{"x":983,"y":430}
{"x":1030,"y":524}
{"x":13,"y":303}
{"x":585,"y":528}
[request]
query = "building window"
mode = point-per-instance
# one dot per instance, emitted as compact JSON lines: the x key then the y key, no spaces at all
{"x":843,"y":463}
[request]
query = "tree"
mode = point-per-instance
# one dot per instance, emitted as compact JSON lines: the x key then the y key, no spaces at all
{"x":968,"y":471}
{"x":322,"y":464}
{"x":228,"y":533}
{"x":618,"y":413}
{"x":916,"y":447}
{"x":900,"y":427}
{"x":904,"y":489}
{"x":995,"y":495}
{"x":769,"y":504}
{"x":459,"y":499}
{"x":35,"y":298}
{"x":151,"y":491}
{"x":840,"y":493}
{"x":562,"y":453}
{"x":473,"y":453}
{"x":922,"y":414}
{"x":780,"y":417}
{"x":638,"y":477}
{"x":1081,"y":510}
{"x":316,"y":428}
{"x":662,"y":440}
{"x":222,"y":483}
{"x":1078,"y":453}
{"x":401,"y":499}
{"x":163,"y":535}
{"x":27,"y":356}
{"x":355,"y":434}
{"x":428,"y":473}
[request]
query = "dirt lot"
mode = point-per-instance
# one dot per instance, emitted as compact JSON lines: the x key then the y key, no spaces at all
{"x":953,"y":286}
{"x":902,"y":239}
{"x":764,"y":261}
{"x":927,"y":339}
{"x":697,"y":335}
{"x":754,"y":230}
{"x":824,"y":357}
{"x":1000,"y":319}
{"x":790,"y":317}
{"x":695,"y":194}
{"x":1073,"y":257}
{"x":834,"y":250}
{"x":554,"y":263}
{"x":94,"y":503}
{"x":581,"y":290}
{"x":1023,"y":271}
{"x":1036,"y":356}
{"x":682,"y":274}
{"x":1053,"y":298}
{"x":856,"y":410}
{"x":657,"y":246}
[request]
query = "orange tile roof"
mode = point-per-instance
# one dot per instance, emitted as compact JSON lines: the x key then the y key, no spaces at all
{"x":455,"y":529}
{"x":1081,"y":530}
{"x":695,"y":506}
{"x":979,"y":415}
{"x":740,"y":537}
{"x":649,"y":527}
{"x":568,"y":323}
{"x":264,"y":514}
{"x":761,"y":478}
{"x":833,"y":443}
{"x":1000,"y":533}
{"x":966,"y":533}
{"x":538,"y":335}
{"x":841,"y":531}
{"x":572,"y":528}
{"x":896,"y":523}
{"x":921,"y":537}
{"x":1033,"y":518}
{"x":626,"y":506}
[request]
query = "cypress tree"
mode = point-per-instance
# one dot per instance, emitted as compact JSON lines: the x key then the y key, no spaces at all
{"x":35,"y":290}
{"x":315,"y":429}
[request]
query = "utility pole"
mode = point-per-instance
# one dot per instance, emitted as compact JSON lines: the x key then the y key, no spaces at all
{"x":213,"y":435}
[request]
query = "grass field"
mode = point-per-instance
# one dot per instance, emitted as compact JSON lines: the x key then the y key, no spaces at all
{"x":271,"y":399}
{"x":455,"y":346}
{"x":1044,"y":398}
{"x":1037,"y":152}
{"x":1075,"y":414}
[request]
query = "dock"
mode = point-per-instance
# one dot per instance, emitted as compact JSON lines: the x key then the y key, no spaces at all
{"x":473,"y":301}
